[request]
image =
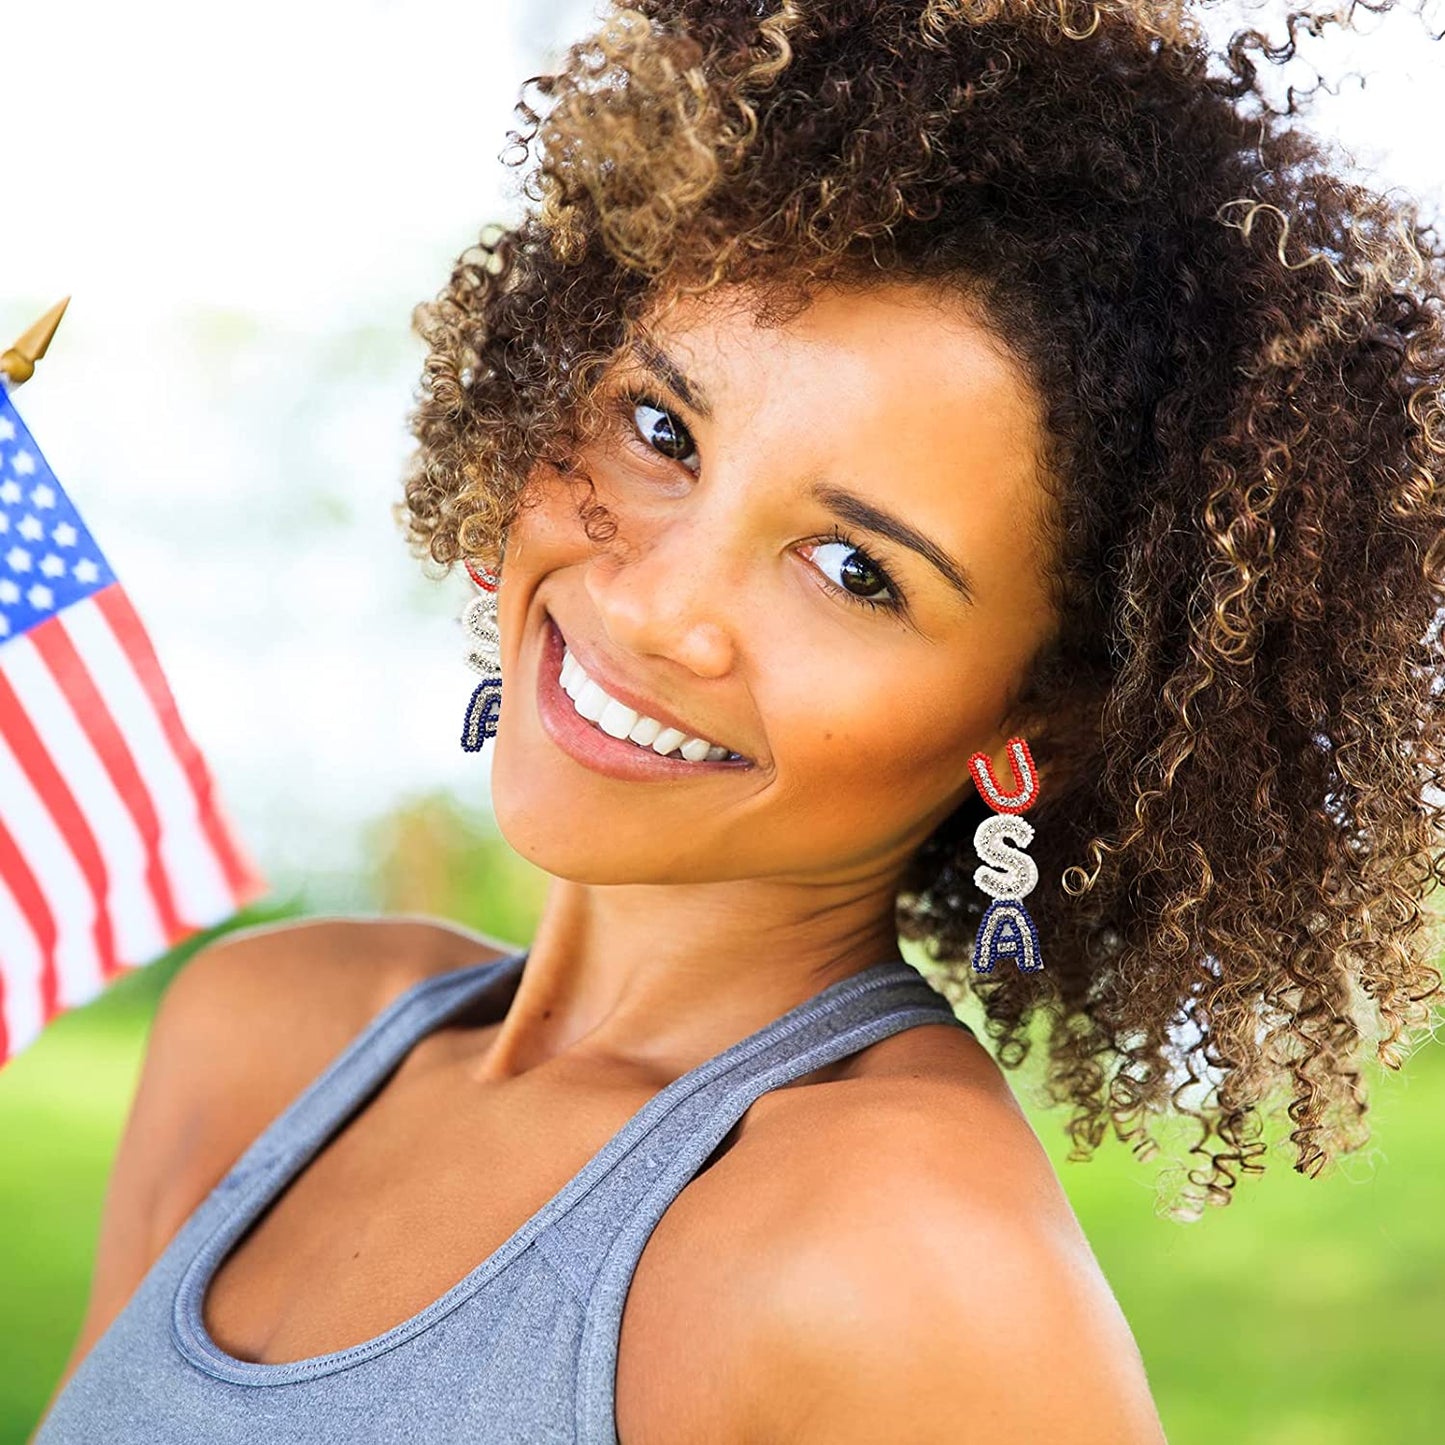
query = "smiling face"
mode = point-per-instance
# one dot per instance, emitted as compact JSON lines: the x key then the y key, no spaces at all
{"x":825,"y":560}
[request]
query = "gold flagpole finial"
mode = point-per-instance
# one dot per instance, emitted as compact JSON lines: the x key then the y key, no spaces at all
{"x":18,"y":363}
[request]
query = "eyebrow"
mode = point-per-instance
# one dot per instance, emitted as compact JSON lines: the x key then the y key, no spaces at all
{"x":662,"y":366}
{"x":845,"y":505}
{"x":849,"y":507}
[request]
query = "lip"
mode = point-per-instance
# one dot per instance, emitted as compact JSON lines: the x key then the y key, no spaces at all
{"x":595,"y":749}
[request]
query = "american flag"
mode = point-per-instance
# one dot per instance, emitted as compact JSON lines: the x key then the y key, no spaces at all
{"x":113,"y":843}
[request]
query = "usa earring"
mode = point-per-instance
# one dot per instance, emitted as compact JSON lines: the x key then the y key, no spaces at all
{"x":1007,"y":873}
{"x":483,"y":655}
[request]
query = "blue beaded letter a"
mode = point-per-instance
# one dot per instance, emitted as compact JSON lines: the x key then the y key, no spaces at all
{"x":1007,"y":873}
{"x":482,"y":713}
{"x":1007,"y":931}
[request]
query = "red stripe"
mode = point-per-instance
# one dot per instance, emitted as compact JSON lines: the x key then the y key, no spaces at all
{"x":243,"y":878}
{"x":37,"y":765}
{"x":74,"y":680}
{"x":28,"y":894}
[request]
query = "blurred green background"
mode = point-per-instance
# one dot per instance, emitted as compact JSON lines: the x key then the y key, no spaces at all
{"x":1308,"y":1312}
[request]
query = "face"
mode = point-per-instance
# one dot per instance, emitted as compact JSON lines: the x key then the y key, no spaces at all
{"x":822,"y":561}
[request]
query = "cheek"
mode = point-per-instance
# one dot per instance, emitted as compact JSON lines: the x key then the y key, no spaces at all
{"x":885,"y":753}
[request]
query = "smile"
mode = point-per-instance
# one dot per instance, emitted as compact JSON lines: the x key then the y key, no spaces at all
{"x":611,"y":736}
{"x":618,"y":720}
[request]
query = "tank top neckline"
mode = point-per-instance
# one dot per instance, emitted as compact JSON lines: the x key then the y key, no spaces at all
{"x":343,"y":1088}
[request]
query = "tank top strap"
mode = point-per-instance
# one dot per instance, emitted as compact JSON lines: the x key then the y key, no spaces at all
{"x":303,"y":1127}
{"x":596,"y":1244}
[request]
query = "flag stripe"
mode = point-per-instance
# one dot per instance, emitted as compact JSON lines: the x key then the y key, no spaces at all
{"x":74,"y":680}
{"x":42,"y":872}
{"x":21,"y":885}
{"x":202,"y":894}
{"x":124,"y":895}
{"x":31,"y":755}
{"x":243,"y":879}
{"x":23,"y":998}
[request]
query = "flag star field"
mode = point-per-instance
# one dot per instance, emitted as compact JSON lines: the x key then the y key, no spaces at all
{"x":48,"y":560}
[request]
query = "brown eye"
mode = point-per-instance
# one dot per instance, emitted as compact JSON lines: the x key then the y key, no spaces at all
{"x":664,"y":433}
{"x":857,"y":574}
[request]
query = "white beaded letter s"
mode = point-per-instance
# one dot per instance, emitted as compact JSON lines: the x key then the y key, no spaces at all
{"x":1013,"y":873}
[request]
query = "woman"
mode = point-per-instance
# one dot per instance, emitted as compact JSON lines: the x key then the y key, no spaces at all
{"x":887,"y":415}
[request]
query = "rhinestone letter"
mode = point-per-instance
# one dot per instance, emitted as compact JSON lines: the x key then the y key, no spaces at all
{"x":1006,"y":872}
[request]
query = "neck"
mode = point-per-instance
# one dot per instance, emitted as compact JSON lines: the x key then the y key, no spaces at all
{"x":660,"y":977}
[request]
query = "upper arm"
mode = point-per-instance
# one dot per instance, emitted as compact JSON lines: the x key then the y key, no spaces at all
{"x":947,"y":1316}
{"x":240,"y":1031}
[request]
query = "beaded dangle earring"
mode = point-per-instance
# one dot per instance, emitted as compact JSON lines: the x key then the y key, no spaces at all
{"x":1007,"y":873}
{"x":484,"y":655}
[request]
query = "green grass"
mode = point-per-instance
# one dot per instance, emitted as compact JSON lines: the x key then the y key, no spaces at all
{"x":61,"y":1108}
{"x":1308,"y":1312}
{"x":63,"y":1103}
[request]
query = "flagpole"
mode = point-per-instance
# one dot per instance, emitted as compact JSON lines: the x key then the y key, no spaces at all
{"x":17,"y":362}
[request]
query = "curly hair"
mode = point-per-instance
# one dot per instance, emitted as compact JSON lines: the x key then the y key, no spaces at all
{"x":1239,"y":351}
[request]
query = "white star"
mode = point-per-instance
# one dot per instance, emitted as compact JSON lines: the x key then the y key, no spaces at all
{"x":43,"y":495}
{"x":7,"y":429}
{"x":52,"y":566}
{"x":18,"y":559}
{"x":63,"y":535}
{"x":23,"y":464}
{"x":9,"y":592}
{"x":85,"y":570}
{"x":41,"y":598}
{"x":30,"y":528}
{"x":10,"y":491}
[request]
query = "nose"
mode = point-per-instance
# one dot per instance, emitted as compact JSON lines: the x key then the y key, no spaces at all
{"x":665,"y":593}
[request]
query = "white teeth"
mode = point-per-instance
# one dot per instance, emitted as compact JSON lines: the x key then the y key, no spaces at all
{"x":667,"y":740}
{"x":590,"y":701}
{"x":644,"y":730}
{"x":618,"y":720}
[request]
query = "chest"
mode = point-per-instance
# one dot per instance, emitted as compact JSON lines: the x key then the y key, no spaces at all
{"x":431,"y":1176}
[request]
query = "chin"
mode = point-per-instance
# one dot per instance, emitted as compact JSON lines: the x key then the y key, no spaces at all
{"x":548,"y":821}
{"x":589,"y":829}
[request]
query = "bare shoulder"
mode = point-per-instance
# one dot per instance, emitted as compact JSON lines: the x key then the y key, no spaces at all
{"x":937,"y":1285}
{"x":308,"y":985}
{"x":255,"y":1016}
{"x":898,"y":1261}
{"x":242,"y":1029}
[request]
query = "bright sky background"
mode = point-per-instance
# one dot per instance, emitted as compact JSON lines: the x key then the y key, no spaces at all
{"x":245,"y":203}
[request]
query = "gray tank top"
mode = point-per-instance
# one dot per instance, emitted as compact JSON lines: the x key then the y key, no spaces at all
{"x":523,"y":1350}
